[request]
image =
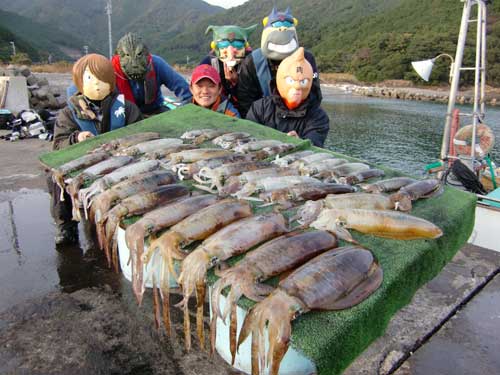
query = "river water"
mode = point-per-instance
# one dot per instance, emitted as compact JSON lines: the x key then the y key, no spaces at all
{"x":404,"y":135}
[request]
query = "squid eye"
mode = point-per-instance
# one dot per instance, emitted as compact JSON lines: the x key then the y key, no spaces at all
{"x":304,"y":82}
{"x":289,"y":80}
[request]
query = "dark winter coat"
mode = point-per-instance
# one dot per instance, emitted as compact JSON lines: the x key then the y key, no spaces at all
{"x":308,"y":120}
{"x":66,"y":129}
{"x":249,"y":89}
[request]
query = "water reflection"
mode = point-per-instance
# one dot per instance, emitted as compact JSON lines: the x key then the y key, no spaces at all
{"x":405,"y":135}
{"x":30,"y":263}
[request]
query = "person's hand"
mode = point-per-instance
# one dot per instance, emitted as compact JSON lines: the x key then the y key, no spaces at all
{"x":231,"y":74}
{"x":84,"y":135}
{"x":293,"y":133}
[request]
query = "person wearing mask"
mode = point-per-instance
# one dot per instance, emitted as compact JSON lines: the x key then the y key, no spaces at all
{"x":94,"y":107}
{"x":258,"y":70}
{"x":291,"y":108}
{"x":140,"y":76}
{"x":229,"y":47}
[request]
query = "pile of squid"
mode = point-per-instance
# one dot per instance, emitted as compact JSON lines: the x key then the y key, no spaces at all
{"x":212,"y":195}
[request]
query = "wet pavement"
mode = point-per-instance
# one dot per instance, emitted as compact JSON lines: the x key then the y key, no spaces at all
{"x":62,"y":311}
{"x":28,"y":262}
{"x":469,"y":342}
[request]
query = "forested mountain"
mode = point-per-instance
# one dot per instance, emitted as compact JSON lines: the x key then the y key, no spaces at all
{"x":6,"y":48}
{"x":36,"y":39}
{"x":373,"y":39}
{"x":156,"y":20}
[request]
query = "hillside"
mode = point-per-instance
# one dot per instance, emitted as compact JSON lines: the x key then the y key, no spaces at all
{"x":372,"y":39}
{"x":43,"y":39}
{"x":156,"y":20}
{"x":6,"y":36}
{"x":375,"y":40}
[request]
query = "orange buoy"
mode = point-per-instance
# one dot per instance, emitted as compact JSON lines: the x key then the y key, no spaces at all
{"x":485,"y":140}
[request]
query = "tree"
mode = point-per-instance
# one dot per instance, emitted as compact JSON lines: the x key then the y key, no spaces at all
{"x":20,"y":58}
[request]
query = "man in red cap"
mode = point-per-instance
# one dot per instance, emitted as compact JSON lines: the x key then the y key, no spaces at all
{"x":207,"y":91}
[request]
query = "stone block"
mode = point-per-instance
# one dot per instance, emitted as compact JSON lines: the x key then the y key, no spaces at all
{"x":43,"y":81}
{"x":41,"y":93}
{"x":25,"y":71}
{"x":32,"y":80}
{"x":17,"y":94}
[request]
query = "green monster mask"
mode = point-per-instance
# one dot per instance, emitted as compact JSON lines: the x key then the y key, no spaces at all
{"x":230,"y":42}
{"x":279,"y":37}
{"x":133,"y":56}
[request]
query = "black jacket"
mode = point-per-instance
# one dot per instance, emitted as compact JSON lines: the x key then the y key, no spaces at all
{"x":66,"y":129}
{"x":308,"y":120}
{"x":249,"y":87}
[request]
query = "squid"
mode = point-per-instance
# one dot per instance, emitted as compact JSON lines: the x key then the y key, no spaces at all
{"x":416,"y":190}
{"x":191,"y":156}
{"x":192,"y":134}
{"x":207,"y":135}
{"x":155,"y":145}
{"x":290,"y":158}
{"x":142,"y":182}
{"x":321,"y":166}
{"x":270,"y":259}
{"x":357,"y":177}
{"x":311,"y":209}
{"x":334,"y":280}
{"x":60,"y":173}
{"x":302,"y":192}
{"x":236,"y":183}
{"x":333,"y":174}
{"x":126,"y":141}
{"x":256,"y":145}
{"x":229,"y":140}
{"x":274,"y":183}
{"x":236,"y":238}
{"x":388,"y":185}
{"x":120,"y":174}
{"x":91,"y":173}
{"x":269,"y":151}
{"x":134,"y":205}
{"x":153,"y":222}
{"x":164,"y":153}
{"x":187,"y":171}
{"x":195,"y":227}
{"x":386,"y":224}
{"x":308,"y":159}
{"x":215,"y":177}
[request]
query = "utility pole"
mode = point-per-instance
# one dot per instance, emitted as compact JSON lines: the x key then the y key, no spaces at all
{"x":85,"y":50}
{"x":108,"y":12}
{"x":13,"y":48}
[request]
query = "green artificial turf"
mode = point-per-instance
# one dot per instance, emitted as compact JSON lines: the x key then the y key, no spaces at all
{"x":334,"y":339}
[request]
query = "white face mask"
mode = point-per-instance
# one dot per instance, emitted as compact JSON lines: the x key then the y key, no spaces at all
{"x":93,"y":87}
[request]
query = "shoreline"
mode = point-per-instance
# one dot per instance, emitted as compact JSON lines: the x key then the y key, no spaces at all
{"x":414,"y":93}
{"x":380,"y":90}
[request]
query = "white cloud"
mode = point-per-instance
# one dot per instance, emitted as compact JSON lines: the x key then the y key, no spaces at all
{"x":226,"y":3}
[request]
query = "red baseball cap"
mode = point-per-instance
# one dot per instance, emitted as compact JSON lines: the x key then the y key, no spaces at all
{"x":205,"y":71}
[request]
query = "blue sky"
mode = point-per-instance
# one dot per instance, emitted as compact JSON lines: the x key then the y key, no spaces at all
{"x":226,"y":3}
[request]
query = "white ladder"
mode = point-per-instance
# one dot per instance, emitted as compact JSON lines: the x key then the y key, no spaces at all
{"x":478,"y":111}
